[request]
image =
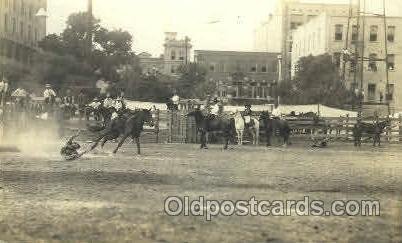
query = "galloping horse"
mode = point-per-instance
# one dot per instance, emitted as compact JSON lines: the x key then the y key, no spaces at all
{"x":130,"y":125}
{"x":273,"y":126}
{"x":206,"y":123}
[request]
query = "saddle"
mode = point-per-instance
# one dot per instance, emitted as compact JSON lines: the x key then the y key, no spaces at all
{"x":248,"y":122}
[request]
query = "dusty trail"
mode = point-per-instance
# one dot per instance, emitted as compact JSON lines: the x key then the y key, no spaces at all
{"x":105,"y":198}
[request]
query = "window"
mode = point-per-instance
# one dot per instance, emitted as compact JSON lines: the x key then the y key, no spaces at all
{"x":172,"y":69}
{"x":338,"y":32}
{"x":21,"y":29}
{"x":6,"y":23}
{"x":337,"y":59}
{"x":371,"y":92}
{"x":352,"y":65}
{"x":264,"y":69}
{"x":390,"y":92}
{"x":372,"y":65}
{"x":293,"y":25}
{"x":173,"y":55}
{"x":309,"y":17}
{"x":355,"y":33}
{"x":212,"y":68}
{"x":14,"y":26}
{"x":253,"y":69}
{"x":373,"y":32}
{"x":29,"y":34}
{"x":391,"y":62}
{"x":391,"y":33}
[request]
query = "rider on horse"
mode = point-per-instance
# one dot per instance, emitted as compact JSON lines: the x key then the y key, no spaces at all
{"x":248,"y":122}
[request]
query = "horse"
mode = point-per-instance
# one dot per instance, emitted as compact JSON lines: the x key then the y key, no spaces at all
{"x":373,"y":130}
{"x":273,"y":126}
{"x":253,"y":126}
{"x":130,"y":124}
{"x":209,"y":123}
{"x":239,"y":126}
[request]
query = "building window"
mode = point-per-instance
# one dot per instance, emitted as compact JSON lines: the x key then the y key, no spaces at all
{"x":29,"y":34}
{"x":253,"y":69}
{"x":173,"y":55}
{"x":371,"y":92}
{"x":22,"y":30}
{"x":353,"y":65}
{"x":338,"y":32}
{"x":391,"y":62}
{"x":390,"y":92}
{"x":373,"y":32}
{"x":391,"y":33}
{"x":172,"y":69}
{"x":355,"y":33}
{"x":264,"y":69}
{"x":309,"y":17}
{"x":14,"y":26}
{"x":6,"y":23}
{"x":337,"y":59}
{"x":212,"y":68}
{"x":372,"y":65}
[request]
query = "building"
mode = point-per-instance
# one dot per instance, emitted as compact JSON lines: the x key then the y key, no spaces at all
{"x":275,"y":34}
{"x":22,"y":26}
{"x":151,"y":64}
{"x":241,"y":76}
{"x":328,"y":34}
{"x":176,"y":53}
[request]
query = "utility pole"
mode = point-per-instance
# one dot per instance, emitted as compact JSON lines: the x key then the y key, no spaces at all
{"x":186,"y":40}
{"x":386,"y":59}
{"x":90,"y":28}
{"x":362,"y":58}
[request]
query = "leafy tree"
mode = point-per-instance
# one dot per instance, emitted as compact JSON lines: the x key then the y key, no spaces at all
{"x":316,"y":81}
{"x":192,"y":81}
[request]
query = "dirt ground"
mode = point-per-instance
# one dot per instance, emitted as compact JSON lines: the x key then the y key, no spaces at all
{"x":120,"y":198}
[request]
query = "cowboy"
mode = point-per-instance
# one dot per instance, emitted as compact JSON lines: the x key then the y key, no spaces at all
{"x":49,"y":95}
{"x":176,"y":101}
{"x":215,"y":107}
{"x":95,"y":103}
{"x":70,"y":149}
{"x":108,"y":102}
{"x":247,"y":115}
{"x":377,"y":132}
{"x":357,"y":133}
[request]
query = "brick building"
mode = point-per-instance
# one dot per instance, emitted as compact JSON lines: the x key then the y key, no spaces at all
{"x":241,"y":76}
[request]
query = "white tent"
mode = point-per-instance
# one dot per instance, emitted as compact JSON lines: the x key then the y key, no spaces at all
{"x":324,"y":111}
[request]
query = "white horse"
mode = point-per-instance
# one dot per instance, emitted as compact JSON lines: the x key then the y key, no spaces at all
{"x":254,"y":129}
{"x":239,"y":125}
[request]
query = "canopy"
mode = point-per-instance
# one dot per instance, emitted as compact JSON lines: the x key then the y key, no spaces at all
{"x":324,"y":111}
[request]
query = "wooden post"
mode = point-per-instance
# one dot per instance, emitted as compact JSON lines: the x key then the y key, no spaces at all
{"x":157,"y":115}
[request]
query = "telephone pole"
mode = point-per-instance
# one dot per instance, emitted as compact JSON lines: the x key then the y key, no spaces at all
{"x":90,"y":28}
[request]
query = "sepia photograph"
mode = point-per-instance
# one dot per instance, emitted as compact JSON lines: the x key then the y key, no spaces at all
{"x":181,"y":121}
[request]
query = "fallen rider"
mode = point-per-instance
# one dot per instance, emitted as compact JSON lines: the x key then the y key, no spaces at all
{"x":70,"y":150}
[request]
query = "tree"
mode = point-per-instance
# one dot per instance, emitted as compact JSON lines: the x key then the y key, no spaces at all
{"x":316,"y":80}
{"x":192,"y":81}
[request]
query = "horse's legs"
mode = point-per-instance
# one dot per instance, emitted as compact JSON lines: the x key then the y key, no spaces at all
{"x":226,"y":135}
{"x":125,"y":136}
{"x":137,"y":141}
{"x":203,"y":142}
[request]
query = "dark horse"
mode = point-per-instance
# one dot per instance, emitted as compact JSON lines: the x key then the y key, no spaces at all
{"x":373,"y":130}
{"x":129,"y":124}
{"x":273,"y":126}
{"x":210,"y":123}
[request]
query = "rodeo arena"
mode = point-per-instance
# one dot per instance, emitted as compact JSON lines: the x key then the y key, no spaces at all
{"x":99,"y":169}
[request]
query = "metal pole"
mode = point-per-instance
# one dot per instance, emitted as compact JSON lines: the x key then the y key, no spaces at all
{"x":346,"y":41}
{"x":90,"y":27}
{"x":386,"y":59}
{"x":362,"y":59}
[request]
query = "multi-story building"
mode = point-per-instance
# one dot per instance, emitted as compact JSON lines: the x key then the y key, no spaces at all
{"x":22,"y":26}
{"x":328,"y":34}
{"x":176,"y":53}
{"x":276,"y":33}
{"x":241,"y":76}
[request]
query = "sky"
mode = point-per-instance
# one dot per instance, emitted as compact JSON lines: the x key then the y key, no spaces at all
{"x":211,"y":24}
